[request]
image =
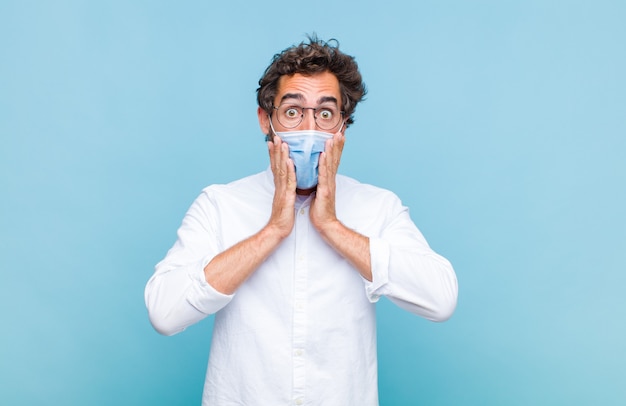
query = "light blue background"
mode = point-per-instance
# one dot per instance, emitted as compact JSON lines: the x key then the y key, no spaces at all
{"x":501,"y":124}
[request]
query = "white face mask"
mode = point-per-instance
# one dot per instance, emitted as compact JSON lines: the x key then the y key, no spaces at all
{"x":304,"y":150}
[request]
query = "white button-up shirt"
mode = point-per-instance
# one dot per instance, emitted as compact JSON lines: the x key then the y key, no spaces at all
{"x":301,"y":329}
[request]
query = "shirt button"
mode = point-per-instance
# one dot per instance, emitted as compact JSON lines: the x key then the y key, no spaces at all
{"x":299,"y":401}
{"x":299,"y":353}
{"x":301,"y":211}
{"x":299,"y":305}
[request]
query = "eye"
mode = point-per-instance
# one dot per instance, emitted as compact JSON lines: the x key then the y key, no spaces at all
{"x":326,"y":114}
{"x":292,"y":112}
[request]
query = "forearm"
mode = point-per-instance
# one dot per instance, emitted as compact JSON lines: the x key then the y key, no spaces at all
{"x":351,"y":245}
{"x":229,"y":269}
{"x":178,"y":296}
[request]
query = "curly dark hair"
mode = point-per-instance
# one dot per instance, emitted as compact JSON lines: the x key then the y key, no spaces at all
{"x":316,"y":56}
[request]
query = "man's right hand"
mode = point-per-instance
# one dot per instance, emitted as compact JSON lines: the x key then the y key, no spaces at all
{"x":229,"y":269}
{"x":283,"y":215}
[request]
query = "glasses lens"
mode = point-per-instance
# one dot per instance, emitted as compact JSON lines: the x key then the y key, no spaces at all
{"x":327,"y":118}
{"x":289,"y":116}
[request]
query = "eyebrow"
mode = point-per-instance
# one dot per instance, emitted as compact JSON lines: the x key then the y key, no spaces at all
{"x":300,"y":97}
{"x":325,"y":99}
{"x":297,"y":96}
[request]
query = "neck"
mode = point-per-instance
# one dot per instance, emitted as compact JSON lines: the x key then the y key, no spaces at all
{"x":306,"y":192}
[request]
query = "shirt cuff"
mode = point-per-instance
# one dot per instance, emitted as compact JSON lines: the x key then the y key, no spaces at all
{"x":379,"y":260}
{"x":202,"y":295}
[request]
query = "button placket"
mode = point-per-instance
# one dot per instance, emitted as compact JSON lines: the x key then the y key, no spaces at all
{"x":299,"y":308}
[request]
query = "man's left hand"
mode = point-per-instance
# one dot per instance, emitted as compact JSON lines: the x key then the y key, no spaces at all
{"x":323,"y":206}
{"x":351,"y":245}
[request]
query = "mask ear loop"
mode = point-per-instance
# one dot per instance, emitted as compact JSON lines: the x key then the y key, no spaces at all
{"x":342,"y":124}
{"x":270,"y":136}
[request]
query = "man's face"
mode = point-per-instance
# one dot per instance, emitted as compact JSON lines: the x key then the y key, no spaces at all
{"x":314,"y":91}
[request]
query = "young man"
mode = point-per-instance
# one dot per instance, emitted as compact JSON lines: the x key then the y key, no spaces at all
{"x":292,"y":260}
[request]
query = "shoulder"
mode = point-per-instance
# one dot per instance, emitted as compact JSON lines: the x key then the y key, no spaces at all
{"x":255,"y":189}
{"x":366,"y":208}
{"x":350,"y":188}
{"x":250,"y":186}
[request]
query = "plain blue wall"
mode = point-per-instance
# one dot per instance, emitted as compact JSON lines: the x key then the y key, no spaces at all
{"x":501,"y":124}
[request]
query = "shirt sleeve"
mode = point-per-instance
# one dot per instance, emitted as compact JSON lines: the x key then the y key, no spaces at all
{"x":178,"y":295}
{"x":407,"y":271}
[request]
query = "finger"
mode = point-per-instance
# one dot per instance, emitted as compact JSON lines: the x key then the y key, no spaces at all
{"x":271,"y":148}
{"x":321,"y":166}
{"x":291,"y":175}
{"x":277,"y":151}
{"x":276,"y":156}
{"x":340,"y":140}
{"x":329,"y":150}
{"x":288,"y":165}
{"x":332,"y":154}
{"x":328,"y":146}
{"x":284,"y":160}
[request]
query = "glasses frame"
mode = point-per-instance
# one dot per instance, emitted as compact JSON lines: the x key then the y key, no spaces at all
{"x":341,"y":116}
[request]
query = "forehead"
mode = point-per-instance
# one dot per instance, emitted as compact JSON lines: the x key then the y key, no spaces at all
{"x":310,"y":89}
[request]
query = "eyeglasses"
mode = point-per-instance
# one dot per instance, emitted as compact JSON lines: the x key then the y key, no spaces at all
{"x":326,"y":117}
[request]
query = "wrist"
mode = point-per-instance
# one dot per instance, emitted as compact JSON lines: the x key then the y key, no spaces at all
{"x":329,"y":229}
{"x":273,"y":233}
